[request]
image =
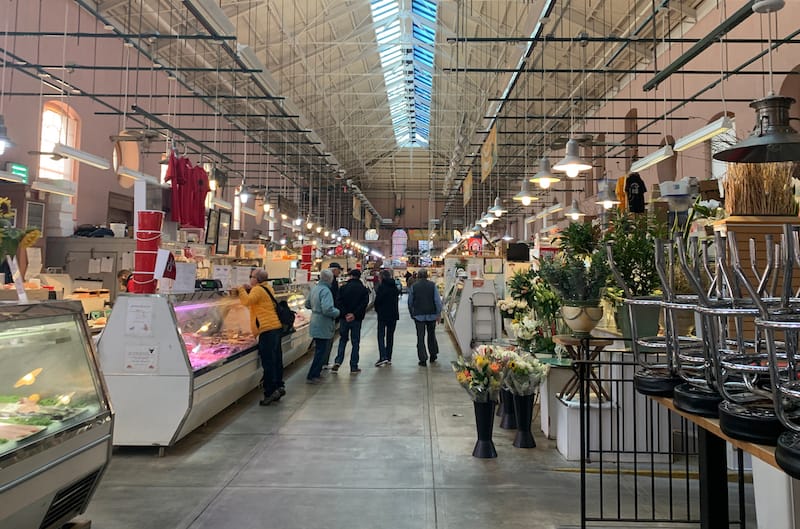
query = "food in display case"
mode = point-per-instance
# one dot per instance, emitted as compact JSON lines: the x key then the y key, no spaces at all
{"x":214,"y":332}
{"x":297,"y":302}
{"x":43,"y":396}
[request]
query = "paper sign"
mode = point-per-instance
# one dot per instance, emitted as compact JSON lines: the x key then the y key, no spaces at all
{"x":34,"y":262}
{"x":94,"y":266}
{"x":185,"y":275}
{"x":141,"y":359}
{"x":223,"y":273}
{"x":241,"y":275}
{"x":139,"y":321}
{"x":17,"y":277}
{"x":106,"y":265}
{"x":127,"y":261}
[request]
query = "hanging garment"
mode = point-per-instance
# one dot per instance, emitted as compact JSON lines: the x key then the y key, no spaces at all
{"x":619,"y":190}
{"x":635,"y":190}
{"x":199,"y":188}
{"x":178,"y":170}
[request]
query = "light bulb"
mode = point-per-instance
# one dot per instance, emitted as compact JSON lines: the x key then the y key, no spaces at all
{"x":212,"y":184}
{"x":498,"y":214}
{"x":243,"y":197}
{"x":327,"y":233}
{"x":282,"y":241}
{"x":576,"y":216}
{"x":607,"y":204}
{"x":309,"y":225}
{"x":298,"y":221}
{"x":572,"y":171}
{"x":3,"y":145}
{"x":526,"y":201}
{"x":284,"y":216}
{"x":300,"y":236}
{"x":544,"y":183}
{"x":266,"y":208}
{"x":319,"y":229}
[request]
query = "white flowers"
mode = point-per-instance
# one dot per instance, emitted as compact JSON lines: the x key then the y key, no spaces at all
{"x":510,"y":306}
{"x":526,"y":328}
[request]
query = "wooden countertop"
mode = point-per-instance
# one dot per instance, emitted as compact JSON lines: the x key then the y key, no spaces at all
{"x":763,"y":452}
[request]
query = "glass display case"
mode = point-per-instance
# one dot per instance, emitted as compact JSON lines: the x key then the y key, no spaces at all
{"x":171,"y":362}
{"x":55,"y":419}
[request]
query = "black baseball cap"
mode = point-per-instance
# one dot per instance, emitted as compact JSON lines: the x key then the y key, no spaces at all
{"x":335,"y":265}
{"x":355,"y":272}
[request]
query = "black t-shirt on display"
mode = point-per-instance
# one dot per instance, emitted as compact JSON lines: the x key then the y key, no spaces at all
{"x":635,"y":190}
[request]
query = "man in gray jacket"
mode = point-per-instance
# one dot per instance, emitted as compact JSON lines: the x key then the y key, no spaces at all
{"x":321,"y":328}
{"x":425,"y":307}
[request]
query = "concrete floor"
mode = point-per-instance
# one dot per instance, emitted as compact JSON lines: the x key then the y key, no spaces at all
{"x":389,"y":447}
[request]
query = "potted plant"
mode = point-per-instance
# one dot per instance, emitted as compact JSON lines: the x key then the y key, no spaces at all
{"x":630,"y":241}
{"x":578,"y":273}
{"x":481,"y":377}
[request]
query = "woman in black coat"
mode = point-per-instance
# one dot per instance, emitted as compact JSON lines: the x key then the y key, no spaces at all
{"x":386,"y":296}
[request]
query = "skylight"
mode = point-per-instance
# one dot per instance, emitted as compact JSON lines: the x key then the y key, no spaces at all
{"x":406,"y":49}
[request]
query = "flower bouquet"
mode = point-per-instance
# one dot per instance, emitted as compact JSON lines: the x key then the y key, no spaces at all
{"x":481,"y":376}
{"x":522,"y":375}
{"x":525,"y":331}
{"x":511,"y":308}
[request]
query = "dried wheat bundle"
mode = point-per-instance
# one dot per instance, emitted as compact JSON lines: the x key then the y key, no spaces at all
{"x":760,"y":189}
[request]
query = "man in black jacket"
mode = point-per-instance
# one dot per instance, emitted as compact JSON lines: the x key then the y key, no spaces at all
{"x":353,"y":301}
{"x":386,"y":296}
{"x":425,"y":306}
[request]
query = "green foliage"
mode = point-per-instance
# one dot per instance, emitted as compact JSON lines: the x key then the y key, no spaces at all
{"x":632,"y":241}
{"x":580,"y":239}
{"x":576,"y":279}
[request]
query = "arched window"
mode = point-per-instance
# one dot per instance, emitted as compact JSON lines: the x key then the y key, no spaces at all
{"x":60,"y":124}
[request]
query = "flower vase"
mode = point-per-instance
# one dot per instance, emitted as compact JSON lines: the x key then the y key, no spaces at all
{"x":507,"y":419}
{"x":581,"y":318}
{"x":507,"y":325}
{"x":523,"y":409}
{"x":484,"y":422}
{"x":499,"y":411}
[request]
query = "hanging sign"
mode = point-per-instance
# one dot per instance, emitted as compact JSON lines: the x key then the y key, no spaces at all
{"x":489,"y":153}
{"x":466,"y":187}
{"x":356,"y":208}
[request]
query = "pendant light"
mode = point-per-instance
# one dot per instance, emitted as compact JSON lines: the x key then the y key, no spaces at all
{"x":525,"y":195}
{"x":572,"y":164}
{"x":573,"y":212}
{"x":498,"y":210}
{"x":772,"y":139}
{"x":544,"y":177}
{"x":606,"y":197}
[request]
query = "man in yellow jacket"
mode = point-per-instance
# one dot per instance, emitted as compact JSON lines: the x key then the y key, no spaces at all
{"x":258,"y":297}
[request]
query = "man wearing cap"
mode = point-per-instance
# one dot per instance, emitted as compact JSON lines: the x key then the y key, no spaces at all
{"x":336,"y":269}
{"x":353,"y":300}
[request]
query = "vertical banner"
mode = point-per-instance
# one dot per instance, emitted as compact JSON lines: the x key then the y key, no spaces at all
{"x":489,"y":153}
{"x":367,"y":219}
{"x":356,"y":208}
{"x":466,"y":187}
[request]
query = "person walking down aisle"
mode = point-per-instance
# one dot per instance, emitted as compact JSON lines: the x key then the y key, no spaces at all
{"x":353,"y":301}
{"x":425,"y":307}
{"x":266,"y":326}
{"x":386,"y":296}
{"x":336,"y":269}
{"x":321,"y":328}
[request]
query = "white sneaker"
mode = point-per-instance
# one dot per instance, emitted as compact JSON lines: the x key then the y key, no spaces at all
{"x":326,"y":367}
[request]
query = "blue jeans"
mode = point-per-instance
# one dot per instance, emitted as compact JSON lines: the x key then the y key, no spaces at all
{"x":271,"y":354}
{"x":386,"y":338}
{"x":320,"y":348}
{"x":353,"y":329}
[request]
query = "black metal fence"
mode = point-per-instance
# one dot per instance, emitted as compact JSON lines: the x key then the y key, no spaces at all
{"x":640,"y":461}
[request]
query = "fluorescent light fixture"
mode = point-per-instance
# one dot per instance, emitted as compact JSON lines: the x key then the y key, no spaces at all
{"x":11,"y":177}
{"x":4,"y":141}
{"x":572,"y":164}
{"x":555,"y":208}
{"x":653,"y":158}
{"x":55,"y":187}
{"x":65,"y":151}
{"x":136,"y":175}
{"x":224,"y":204}
{"x":211,"y":16}
{"x":702,"y":134}
{"x":249,"y":211}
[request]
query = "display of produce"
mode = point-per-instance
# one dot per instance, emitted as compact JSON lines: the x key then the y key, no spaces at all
{"x":55,"y":420}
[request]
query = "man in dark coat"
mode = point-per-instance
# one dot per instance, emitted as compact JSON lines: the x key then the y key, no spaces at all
{"x":353,"y":301}
{"x":386,"y":296}
{"x":425,"y":307}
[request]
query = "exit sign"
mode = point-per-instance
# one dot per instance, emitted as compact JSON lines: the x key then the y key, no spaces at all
{"x":17,"y":169}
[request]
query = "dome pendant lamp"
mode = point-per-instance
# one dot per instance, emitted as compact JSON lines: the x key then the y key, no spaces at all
{"x":545,"y":176}
{"x":572,"y":164}
{"x":498,"y":208}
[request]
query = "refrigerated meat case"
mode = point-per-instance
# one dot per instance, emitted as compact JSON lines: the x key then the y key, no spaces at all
{"x":55,"y":418}
{"x":172,"y":362}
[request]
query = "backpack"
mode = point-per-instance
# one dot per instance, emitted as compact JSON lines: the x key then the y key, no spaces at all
{"x":285,"y":315}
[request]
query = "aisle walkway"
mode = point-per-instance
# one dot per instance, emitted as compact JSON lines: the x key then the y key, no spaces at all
{"x":388,"y":448}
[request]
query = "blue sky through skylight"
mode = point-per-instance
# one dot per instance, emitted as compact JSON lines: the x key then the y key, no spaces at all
{"x":407,"y":61}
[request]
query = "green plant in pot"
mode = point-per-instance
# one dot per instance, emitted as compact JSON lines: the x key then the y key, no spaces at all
{"x":630,"y":242}
{"x":578,"y":274}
